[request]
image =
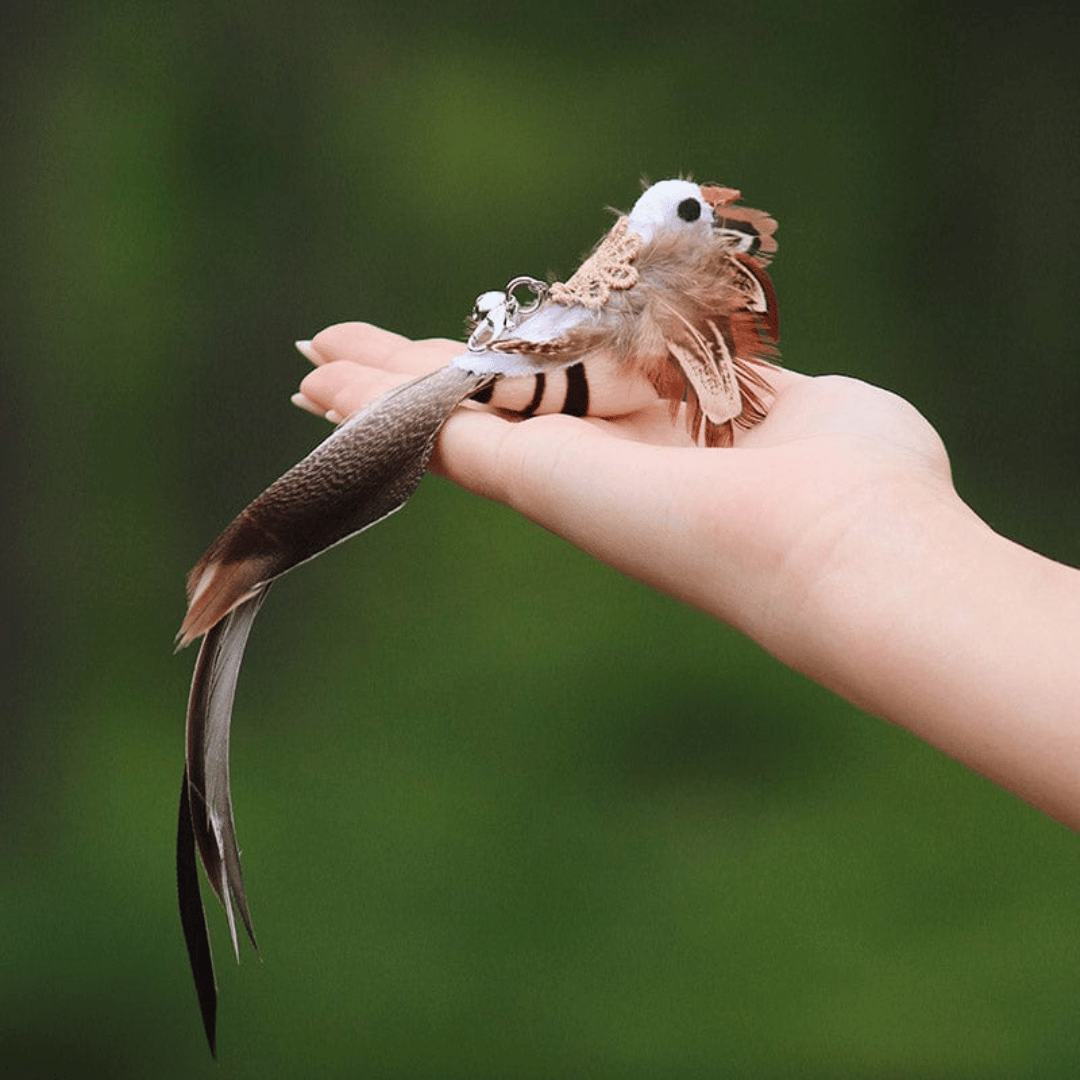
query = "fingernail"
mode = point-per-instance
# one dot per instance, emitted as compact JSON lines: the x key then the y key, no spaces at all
{"x":334,"y":416}
{"x":305,"y":403}
{"x":307,"y":350}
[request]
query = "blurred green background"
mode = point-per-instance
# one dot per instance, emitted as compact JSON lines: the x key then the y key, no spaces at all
{"x":505,"y":813}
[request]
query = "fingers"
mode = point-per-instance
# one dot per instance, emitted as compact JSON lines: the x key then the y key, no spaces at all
{"x":355,"y":362}
{"x":339,"y":388}
{"x":372,"y":346}
{"x":308,"y":405}
{"x":361,"y":361}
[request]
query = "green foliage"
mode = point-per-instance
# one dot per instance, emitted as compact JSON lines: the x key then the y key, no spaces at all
{"x":505,"y":813}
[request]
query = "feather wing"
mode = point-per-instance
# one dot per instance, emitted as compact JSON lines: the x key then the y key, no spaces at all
{"x":362,"y":473}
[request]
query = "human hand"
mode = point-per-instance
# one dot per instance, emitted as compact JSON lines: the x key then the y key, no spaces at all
{"x":745,"y":533}
{"x":830,"y":533}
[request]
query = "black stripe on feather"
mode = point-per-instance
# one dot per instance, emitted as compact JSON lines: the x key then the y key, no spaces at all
{"x":537,"y":398}
{"x":577,"y":391}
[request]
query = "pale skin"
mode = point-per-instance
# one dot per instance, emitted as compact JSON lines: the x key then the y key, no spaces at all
{"x":831,"y":535}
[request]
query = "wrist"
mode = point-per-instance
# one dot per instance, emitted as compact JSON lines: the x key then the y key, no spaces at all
{"x":927,"y":618}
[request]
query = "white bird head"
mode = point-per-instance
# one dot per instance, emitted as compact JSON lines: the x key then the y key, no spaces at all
{"x":671,"y":204}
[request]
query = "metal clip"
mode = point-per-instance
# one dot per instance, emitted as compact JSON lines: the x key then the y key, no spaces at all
{"x":495,"y":313}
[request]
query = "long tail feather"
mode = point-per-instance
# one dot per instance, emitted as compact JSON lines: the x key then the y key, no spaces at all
{"x":209,"y":719}
{"x":193,"y":919}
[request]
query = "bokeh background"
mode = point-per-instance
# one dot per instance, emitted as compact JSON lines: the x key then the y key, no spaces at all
{"x":505,"y":813}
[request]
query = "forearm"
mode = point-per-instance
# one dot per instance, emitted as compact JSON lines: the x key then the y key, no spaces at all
{"x":936,"y":623}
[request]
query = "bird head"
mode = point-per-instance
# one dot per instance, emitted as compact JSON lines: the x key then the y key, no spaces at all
{"x":677,"y":205}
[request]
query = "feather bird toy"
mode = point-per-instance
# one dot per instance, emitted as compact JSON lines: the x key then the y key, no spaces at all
{"x":674,"y":302}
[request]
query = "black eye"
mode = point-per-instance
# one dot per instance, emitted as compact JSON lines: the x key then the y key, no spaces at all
{"x":689,"y":210}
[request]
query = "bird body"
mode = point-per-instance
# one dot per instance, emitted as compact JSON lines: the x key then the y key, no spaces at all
{"x":673,"y":303}
{"x":674,"y":307}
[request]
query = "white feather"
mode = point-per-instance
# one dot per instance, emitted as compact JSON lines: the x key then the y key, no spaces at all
{"x":548,"y":323}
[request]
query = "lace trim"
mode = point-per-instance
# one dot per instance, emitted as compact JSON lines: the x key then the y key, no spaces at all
{"x":610,"y":266}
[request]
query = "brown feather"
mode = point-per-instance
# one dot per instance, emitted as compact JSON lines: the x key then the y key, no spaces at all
{"x":364,"y":471}
{"x":695,"y":282}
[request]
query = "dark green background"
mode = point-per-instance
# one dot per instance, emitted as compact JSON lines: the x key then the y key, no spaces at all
{"x":505,"y":813}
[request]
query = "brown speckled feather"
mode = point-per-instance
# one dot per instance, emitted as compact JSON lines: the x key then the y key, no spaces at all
{"x":363,"y":472}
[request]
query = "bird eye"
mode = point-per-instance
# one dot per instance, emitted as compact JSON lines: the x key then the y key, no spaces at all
{"x":689,"y":210}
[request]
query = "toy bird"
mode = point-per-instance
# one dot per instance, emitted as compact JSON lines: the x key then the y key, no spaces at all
{"x":674,"y":302}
